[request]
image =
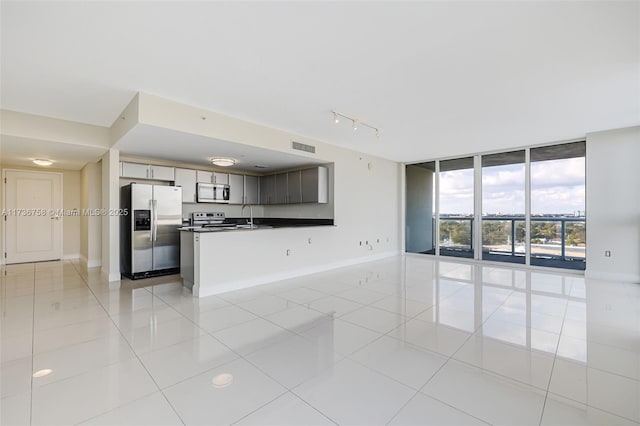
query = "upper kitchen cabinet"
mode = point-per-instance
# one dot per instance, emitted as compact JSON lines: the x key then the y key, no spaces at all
{"x":134,"y":170}
{"x":162,"y":172}
{"x":236,"y":188}
{"x":221,"y":178}
{"x":315,"y":185}
{"x":251,"y":190}
{"x":204,"y":176}
{"x":146,"y":171}
{"x":294,"y":187}
{"x":186,"y":178}
{"x":281,"y":188}
{"x":212,"y":177}
{"x":268,"y":189}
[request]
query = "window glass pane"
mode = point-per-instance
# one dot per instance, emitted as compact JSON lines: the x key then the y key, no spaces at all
{"x":456,"y":207}
{"x":558,"y":230}
{"x":503,"y":207}
{"x":420,"y":210}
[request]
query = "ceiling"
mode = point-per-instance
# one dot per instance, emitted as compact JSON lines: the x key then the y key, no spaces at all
{"x":439,"y":78}
{"x":17,"y":151}
{"x":150,"y":141}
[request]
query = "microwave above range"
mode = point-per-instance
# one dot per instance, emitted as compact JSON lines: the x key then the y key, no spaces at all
{"x":212,"y":193}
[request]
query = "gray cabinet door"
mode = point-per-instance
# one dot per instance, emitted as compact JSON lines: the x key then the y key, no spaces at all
{"x":281,"y":188}
{"x":294,"y":187}
{"x":221,"y":178}
{"x":251,"y":187}
{"x":204,"y":176}
{"x":267,"y":189}
{"x":134,"y":170}
{"x":236,"y":189}
{"x":315,"y":185}
{"x":186,"y":178}
{"x":162,"y":172}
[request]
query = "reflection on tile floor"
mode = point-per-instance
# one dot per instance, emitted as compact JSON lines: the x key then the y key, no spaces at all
{"x":404,"y":341}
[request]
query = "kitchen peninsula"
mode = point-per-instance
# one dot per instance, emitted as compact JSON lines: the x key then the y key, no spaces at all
{"x":218,"y":260}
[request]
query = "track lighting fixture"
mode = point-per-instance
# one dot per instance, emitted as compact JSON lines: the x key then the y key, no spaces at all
{"x":355,"y":122}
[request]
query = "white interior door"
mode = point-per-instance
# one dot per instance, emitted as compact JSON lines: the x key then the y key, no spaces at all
{"x":33,"y":212}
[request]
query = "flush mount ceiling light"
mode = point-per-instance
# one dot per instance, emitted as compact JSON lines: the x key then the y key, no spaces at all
{"x":222,"y":162}
{"x":42,"y":373}
{"x":356,"y":123}
{"x":41,"y":162}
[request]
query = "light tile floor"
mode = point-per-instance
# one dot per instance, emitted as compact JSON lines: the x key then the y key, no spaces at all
{"x":405,"y":341}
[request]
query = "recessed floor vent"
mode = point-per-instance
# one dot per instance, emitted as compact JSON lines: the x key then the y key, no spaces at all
{"x":303,"y":147}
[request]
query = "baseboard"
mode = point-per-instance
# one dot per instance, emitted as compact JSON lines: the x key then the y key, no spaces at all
{"x":74,"y":256}
{"x":199,"y":291}
{"x":94,"y":263}
{"x":110,"y":276}
{"x":612,"y":276}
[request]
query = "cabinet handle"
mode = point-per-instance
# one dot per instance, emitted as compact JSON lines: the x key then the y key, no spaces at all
{"x":147,"y":172}
{"x":151,"y":173}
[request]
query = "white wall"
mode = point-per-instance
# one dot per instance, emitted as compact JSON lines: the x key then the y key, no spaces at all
{"x":110,"y":223}
{"x":70,"y":201}
{"x":91,"y":226}
{"x":613,"y":204}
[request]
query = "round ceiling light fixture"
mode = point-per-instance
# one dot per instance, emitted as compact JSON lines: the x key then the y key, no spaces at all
{"x":222,"y":161}
{"x":42,"y":373}
{"x":42,"y":162}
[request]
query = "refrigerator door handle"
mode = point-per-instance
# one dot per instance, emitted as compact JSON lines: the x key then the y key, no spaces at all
{"x":155,"y":220}
{"x":151,"y":230}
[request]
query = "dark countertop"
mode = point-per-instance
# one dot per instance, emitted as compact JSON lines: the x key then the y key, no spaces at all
{"x":261,"y":223}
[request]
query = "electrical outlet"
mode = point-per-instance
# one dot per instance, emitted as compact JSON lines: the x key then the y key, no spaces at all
{"x":607,"y":253}
{"x":288,"y":252}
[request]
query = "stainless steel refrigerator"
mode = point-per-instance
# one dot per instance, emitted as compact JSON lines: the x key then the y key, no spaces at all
{"x":149,"y":238}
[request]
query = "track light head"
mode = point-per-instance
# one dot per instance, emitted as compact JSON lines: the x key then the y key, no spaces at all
{"x":356,"y":123}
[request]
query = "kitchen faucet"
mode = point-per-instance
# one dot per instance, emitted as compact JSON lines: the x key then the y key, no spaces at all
{"x":250,"y":223}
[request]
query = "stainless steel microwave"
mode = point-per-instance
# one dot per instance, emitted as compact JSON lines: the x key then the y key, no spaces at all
{"x":212,"y":193}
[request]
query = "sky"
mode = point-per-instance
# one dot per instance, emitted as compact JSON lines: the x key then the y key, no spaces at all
{"x":557,"y":186}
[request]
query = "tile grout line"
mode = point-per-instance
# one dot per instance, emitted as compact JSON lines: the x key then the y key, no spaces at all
{"x":132,"y":350}
{"x":555,"y":356}
{"x":33,"y":336}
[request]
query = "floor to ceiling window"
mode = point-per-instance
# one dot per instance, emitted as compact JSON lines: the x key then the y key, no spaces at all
{"x":488,"y":219}
{"x":558,"y":206}
{"x":503,"y":207}
{"x":456,"y":207}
